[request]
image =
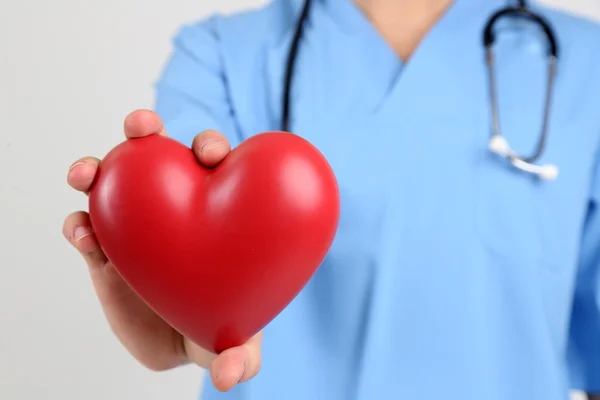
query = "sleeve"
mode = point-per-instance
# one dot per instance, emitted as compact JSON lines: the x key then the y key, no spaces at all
{"x":192,"y":92}
{"x":584,"y":341}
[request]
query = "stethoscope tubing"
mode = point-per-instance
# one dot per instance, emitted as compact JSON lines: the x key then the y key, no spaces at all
{"x":498,"y":144}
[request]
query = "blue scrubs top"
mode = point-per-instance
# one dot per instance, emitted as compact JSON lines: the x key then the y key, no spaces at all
{"x":452,"y":276}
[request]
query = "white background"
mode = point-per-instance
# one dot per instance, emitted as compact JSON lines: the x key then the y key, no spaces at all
{"x":70,"y":71}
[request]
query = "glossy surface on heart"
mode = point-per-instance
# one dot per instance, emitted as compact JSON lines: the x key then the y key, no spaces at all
{"x":217,"y":253}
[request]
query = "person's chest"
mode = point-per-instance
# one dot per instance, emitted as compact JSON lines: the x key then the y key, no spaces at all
{"x":409,"y":143}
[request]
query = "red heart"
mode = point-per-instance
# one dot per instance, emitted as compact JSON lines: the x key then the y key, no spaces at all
{"x":217,"y":253}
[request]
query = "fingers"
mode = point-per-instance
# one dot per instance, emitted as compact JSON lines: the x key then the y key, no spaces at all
{"x":77,"y":229}
{"x":81,"y":174}
{"x":236,"y":365}
{"x":142,"y":123}
{"x":137,"y":124}
{"x":210,"y":147}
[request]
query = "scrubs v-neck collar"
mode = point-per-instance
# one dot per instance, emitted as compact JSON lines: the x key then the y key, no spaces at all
{"x":437,"y":55}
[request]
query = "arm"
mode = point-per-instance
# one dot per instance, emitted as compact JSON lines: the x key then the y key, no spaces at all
{"x":192,"y":97}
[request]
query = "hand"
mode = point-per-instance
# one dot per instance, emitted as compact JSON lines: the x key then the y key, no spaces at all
{"x":144,"y":334}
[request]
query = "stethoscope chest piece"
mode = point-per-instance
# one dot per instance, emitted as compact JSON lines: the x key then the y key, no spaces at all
{"x":499,"y":145}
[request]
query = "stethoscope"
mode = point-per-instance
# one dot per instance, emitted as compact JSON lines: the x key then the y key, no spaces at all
{"x":498,"y":144}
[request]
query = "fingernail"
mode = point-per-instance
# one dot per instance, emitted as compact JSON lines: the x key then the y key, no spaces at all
{"x":211,"y":144}
{"x":76,"y":164}
{"x":81,"y":232}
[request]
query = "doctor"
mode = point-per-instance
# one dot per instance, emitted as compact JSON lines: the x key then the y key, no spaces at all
{"x":459,"y":271}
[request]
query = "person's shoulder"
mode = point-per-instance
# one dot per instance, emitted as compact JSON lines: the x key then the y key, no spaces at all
{"x":242,"y":31}
{"x":574,"y":31}
{"x":578,"y":39}
{"x":230,"y":44}
{"x":271,"y":20}
{"x":569,"y":19}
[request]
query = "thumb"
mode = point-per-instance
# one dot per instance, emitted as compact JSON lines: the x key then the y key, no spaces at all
{"x":142,"y":123}
{"x":236,"y":365}
{"x":210,"y":147}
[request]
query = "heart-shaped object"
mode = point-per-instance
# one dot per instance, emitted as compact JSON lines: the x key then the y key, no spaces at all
{"x":217,"y":253}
